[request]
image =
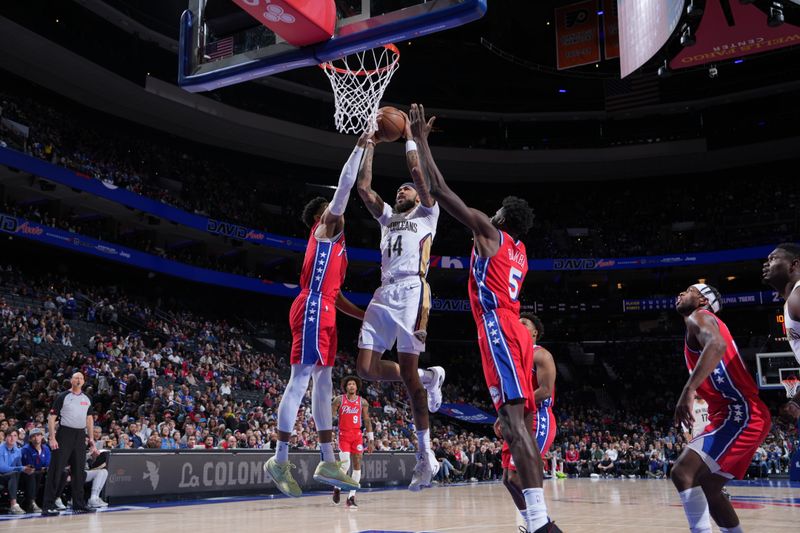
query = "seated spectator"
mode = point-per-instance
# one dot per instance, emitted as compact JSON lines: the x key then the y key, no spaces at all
{"x":11,"y":467}
{"x":606,"y":467}
{"x":35,"y":454}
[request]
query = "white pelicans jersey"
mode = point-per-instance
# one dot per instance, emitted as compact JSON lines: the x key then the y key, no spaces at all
{"x":406,"y":240}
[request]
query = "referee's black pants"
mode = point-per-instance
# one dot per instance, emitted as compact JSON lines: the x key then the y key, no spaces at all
{"x":71,"y":450}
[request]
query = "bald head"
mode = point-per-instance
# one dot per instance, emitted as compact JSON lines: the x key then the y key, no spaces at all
{"x":77,"y":382}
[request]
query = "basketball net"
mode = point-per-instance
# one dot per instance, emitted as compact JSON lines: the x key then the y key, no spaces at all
{"x":358,"y":82}
{"x":791,"y":384}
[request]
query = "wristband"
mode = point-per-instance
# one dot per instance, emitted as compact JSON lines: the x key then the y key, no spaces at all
{"x":370,"y":436}
{"x":411,"y":146}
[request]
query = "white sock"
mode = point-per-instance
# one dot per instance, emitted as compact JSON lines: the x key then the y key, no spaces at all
{"x":282,"y":452}
{"x":695,"y":506}
{"x":737,"y":529}
{"x":356,"y":477}
{"x":423,"y":440}
{"x":425,"y":376}
{"x":536,"y":509}
{"x":327,"y":452}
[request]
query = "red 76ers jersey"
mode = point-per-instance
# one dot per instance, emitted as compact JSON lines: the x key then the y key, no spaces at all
{"x":495,"y":282}
{"x":350,"y":415}
{"x":324,"y":265}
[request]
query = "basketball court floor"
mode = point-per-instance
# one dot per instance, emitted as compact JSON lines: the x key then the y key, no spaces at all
{"x":578,"y":506}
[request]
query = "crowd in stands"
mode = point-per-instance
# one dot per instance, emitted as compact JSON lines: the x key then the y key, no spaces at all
{"x":596,"y":224}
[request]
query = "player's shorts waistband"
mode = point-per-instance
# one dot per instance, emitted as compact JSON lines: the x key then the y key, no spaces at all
{"x":401,"y":279}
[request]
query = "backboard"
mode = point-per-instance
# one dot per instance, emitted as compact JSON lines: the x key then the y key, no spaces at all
{"x":772,"y":367}
{"x":221,"y":45}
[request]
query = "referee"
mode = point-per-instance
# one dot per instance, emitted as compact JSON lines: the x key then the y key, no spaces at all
{"x":71,"y":409}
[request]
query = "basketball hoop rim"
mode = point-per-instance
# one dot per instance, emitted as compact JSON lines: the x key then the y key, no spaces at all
{"x":328,"y":65}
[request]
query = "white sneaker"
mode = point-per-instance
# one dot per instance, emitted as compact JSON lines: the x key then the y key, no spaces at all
{"x":60,"y":505}
{"x":35,"y":508}
{"x":16,"y":509}
{"x":96,"y":502}
{"x":423,"y":472}
{"x":435,"y":465}
{"x":434,"y":389}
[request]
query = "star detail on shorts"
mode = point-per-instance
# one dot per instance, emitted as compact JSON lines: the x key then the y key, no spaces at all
{"x":313,"y":304}
{"x":737,"y":418}
{"x":544,"y":419}
{"x":311,"y":319}
{"x":323,"y":254}
{"x":320,"y":270}
{"x":318,"y":278}
{"x":720,"y":380}
{"x":717,"y":371}
{"x":542,"y":433}
{"x":312,"y":311}
{"x":321,"y":262}
{"x":496,"y":340}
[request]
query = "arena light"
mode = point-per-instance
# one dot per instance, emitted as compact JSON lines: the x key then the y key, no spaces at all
{"x":663,"y":70}
{"x":775,"y":17}
{"x":693,"y":11}
{"x":687,"y":37}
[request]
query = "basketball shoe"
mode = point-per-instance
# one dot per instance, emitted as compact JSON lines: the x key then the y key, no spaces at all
{"x":330,"y":472}
{"x":426,"y":468}
{"x":281,"y":474}
{"x":337,"y":494}
{"x":434,"y":388}
{"x":351,"y":503}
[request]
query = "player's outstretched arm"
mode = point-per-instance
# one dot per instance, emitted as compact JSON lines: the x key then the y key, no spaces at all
{"x":545,"y":375}
{"x":704,"y":328}
{"x":478,"y":222}
{"x":368,"y":425}
{"x":349,"y":308}
{"x":421,"y":181}
{"x":332,"y":221}
{"x":371,"y":199}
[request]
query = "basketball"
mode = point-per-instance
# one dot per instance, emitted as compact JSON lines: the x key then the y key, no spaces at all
{"x":391,"y":124}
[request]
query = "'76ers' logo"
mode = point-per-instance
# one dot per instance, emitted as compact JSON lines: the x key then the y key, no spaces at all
{"x":495,"y":393}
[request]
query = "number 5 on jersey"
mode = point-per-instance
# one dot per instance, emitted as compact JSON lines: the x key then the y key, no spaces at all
{"x":514,"y":278}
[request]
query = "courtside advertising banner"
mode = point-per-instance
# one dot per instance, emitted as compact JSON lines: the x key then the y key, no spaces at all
{"x":577,"y":34}
{"x":140,"y":474}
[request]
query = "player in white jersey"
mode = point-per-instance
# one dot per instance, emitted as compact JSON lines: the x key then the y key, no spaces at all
{"x":399,"y":308}
{"x":700,"y":410}
{"x":782,"y":272}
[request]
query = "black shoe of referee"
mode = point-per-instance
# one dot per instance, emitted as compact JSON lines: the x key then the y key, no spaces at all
{"x":81,"y":510}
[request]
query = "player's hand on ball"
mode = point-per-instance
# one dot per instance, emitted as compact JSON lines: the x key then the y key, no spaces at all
{"x":407,"y":135}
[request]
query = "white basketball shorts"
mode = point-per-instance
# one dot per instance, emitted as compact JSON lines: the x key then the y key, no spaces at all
{"x":398,"y":313}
